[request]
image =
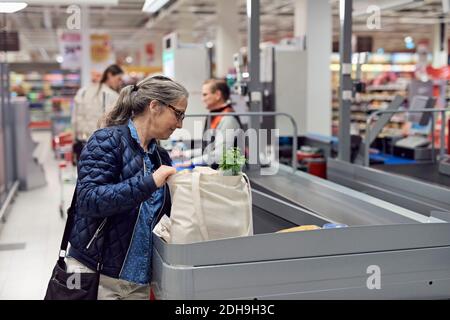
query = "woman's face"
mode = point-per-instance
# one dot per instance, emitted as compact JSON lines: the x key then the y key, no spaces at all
{"x":114,"y":82}
{"x":165,"y":119}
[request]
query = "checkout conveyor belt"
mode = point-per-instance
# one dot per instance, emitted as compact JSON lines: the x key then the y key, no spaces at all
{"x":412,"y":251}
{"x":331,"y":202}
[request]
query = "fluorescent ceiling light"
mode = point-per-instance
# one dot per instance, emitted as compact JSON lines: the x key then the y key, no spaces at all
{"x":11,"y":7}
{"x":154,"y":6}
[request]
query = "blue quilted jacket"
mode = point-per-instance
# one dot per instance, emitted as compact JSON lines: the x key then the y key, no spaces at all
{"x":110,"y":189}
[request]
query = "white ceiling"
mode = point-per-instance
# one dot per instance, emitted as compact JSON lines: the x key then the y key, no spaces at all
{"x":128,"y":25}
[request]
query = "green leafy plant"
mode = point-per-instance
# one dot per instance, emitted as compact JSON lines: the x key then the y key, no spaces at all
{"x":232,"y":160}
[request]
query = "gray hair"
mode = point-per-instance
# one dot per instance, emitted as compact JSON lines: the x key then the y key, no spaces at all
{"x":134,"y":99}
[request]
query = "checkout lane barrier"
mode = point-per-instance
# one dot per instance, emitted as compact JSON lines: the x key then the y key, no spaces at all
{"x":259,"y":114}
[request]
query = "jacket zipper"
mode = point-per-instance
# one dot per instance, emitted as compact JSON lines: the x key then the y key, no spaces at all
{"x":140,"y":207}
{"x":134,"y":229}
{"x":97,"y":232}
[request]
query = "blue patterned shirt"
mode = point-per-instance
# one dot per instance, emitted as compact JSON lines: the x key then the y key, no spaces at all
{"x":137,"y":265}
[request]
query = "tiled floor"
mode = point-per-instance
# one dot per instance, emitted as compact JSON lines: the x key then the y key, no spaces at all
{"x":34,"y":221}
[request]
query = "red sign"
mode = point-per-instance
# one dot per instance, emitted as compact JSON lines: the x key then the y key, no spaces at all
{"x":439,"y":74}
{"x":150,"y":52}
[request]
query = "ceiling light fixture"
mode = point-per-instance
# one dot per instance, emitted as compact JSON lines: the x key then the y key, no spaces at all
{"x":154,"y":6}
{"x":129,"y":59}
{"x":11,"y":7}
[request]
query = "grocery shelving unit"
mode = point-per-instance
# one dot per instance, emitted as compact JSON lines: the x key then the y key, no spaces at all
{"x":49,"y":94}
{"x":386,"y":76}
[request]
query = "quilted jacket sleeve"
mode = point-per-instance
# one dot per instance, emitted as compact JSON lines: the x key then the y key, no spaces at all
{"x":99,"y":194}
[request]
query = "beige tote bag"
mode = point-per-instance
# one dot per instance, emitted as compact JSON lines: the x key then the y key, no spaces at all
{"x":207,"y":205}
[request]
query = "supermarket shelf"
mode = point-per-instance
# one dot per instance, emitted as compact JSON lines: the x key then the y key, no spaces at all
{"x":49,"y":94}
{"x":388,"y":87}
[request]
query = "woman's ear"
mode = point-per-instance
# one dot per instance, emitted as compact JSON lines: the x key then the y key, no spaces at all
{"x":154,"y":106}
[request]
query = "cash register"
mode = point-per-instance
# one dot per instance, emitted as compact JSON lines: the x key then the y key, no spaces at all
{"x":417,"y":146}
{"x":444,"y":166}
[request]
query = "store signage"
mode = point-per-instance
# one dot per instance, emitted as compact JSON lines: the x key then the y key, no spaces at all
{"x":102,"y":54}
{"x":100,"y":48}
{"x":9,"y":41}
{"x":70,"y":47}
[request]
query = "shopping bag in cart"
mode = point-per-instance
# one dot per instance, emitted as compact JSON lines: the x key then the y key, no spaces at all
{"x":207,"y":205}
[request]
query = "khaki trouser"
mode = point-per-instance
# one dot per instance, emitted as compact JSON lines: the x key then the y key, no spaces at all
{"x":110,"y":288}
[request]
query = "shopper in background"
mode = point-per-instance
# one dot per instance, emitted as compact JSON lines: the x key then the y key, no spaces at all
{"x":121,"y":188}
{"x":216,"y":97}
{"x":92,"y":103}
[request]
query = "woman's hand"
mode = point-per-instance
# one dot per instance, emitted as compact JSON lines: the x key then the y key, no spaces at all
{"x":161,"y":175}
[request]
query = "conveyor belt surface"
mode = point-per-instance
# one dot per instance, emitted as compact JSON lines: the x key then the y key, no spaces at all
{"x":328,"y":200}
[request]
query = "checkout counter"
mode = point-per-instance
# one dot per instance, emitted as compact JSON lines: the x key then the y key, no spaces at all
{"x":411,"y":251}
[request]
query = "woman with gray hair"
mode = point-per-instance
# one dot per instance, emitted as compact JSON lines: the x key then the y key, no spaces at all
{"x":121,"y":190}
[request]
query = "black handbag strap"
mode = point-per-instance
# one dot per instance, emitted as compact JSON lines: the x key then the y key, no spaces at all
{"x":68,"y":228}
{"x":104,"y":102}
{"x":71,"y":216}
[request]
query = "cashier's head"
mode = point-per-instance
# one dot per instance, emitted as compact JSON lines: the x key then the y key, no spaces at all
{"x":158,"y":102}
{"x":215,"y":94}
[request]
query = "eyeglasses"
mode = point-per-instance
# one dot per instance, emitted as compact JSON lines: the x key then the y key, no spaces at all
{"x":178,"y":114}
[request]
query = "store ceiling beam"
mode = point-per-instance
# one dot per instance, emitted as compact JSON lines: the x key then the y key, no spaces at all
{"x":104,"y":15}
{"x":164,"y":13}
{"x":27,"y":43}
{"x":152,"y":24}
{"x":21,"y":21}
{"x":76,"y":2}
{"x":42,"y":31}
{"x":94,"y":11}
{"x":47,"y":18}
{"x":361,"y":6}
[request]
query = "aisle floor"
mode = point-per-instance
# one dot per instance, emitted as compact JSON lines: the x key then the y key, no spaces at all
{"x":30,"y":238}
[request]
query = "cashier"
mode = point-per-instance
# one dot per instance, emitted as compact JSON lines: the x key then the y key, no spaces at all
{"x":216,"y":98}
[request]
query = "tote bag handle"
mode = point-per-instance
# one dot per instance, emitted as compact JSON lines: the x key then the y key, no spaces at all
{"x":198,"y":204}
